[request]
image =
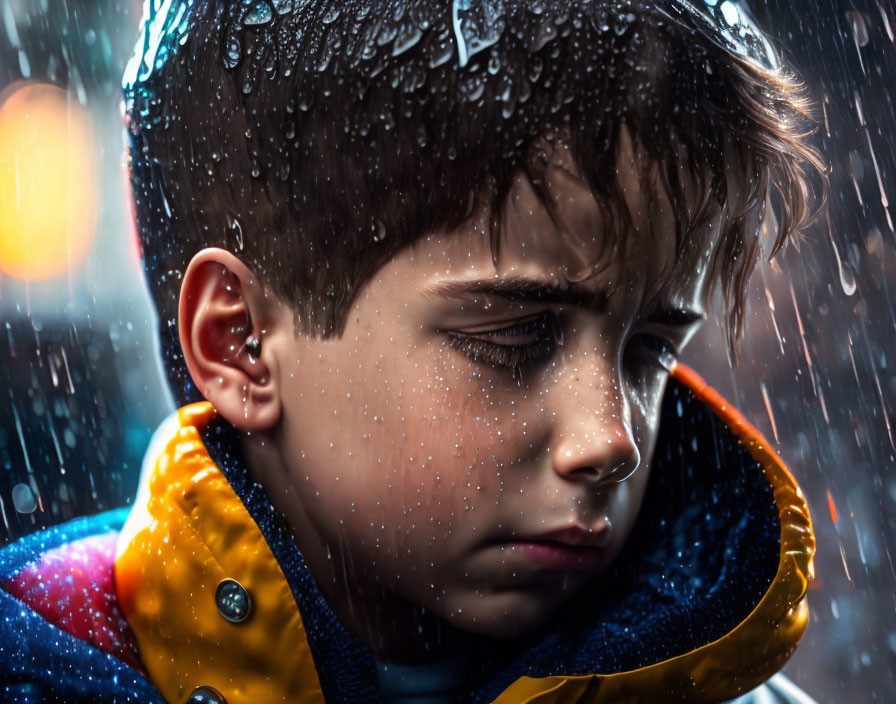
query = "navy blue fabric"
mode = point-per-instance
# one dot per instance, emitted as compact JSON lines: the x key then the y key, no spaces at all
{"x":41,"y":663}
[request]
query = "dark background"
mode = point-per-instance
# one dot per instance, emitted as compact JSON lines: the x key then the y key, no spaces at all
{"x":817,"y":370}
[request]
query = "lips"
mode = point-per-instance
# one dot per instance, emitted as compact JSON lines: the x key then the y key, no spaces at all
{"x":576,"y":536}
{"x":569,"y":547}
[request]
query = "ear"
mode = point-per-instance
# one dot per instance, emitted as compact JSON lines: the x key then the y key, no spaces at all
{"x":222,"y":305}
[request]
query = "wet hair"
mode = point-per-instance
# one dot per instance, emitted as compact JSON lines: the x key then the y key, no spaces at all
{"x":317,"y":138}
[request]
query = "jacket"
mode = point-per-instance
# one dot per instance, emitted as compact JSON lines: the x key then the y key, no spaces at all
{"x":198,"y":593}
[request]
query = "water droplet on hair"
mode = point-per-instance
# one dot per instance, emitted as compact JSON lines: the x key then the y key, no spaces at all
{"x":545,"y":33}
{"x":260,"y":13}
{"x":422,"y":136}
{"x":232,"y":51}
{"x":535,"y":69}
{"x":407,"y":37}
{"x":477,"y":27}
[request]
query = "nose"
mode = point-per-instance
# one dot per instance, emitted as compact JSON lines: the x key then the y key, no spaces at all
{"x":595,"y":443}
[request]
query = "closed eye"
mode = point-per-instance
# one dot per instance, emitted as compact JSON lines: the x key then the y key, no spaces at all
{"x":511,"y":347}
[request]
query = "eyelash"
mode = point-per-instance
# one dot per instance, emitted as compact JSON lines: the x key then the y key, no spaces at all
{"x":545,"y":331}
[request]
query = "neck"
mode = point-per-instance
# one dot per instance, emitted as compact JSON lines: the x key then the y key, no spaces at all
{"x":397,"y":630}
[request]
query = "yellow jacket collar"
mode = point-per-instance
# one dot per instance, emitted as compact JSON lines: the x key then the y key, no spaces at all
{"x":189,"y":531}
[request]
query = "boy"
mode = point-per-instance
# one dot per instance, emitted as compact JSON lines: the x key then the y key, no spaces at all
{"x":431,"y":265}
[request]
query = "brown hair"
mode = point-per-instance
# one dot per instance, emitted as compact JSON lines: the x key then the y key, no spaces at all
{"x":317,"y":139}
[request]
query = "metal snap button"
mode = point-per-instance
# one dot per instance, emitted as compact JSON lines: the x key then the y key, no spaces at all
{"x":206,"y":695}
{"x":233,"y":600}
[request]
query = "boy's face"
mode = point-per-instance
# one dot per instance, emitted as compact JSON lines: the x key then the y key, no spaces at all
{"x":479,"y":439}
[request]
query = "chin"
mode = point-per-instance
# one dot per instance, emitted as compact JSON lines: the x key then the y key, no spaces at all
{"x":503,"y":615}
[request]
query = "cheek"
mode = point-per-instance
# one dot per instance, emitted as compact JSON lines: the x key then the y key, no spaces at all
{"x":452,"y":437}
{"x":397,"y":444}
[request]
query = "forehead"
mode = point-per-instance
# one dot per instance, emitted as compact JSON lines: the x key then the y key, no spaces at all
{"x":561,"y":231}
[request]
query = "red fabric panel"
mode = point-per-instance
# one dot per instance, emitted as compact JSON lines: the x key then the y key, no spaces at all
{"x":73,"y":588}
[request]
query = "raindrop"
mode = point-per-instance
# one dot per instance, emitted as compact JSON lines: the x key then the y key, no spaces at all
{"x":441,"y":50}
{"x":387,"y":35}
{"x":476,"y":27}
{"x":281,"y":7}
{"x":473,"y":88}
{"x":380,"y":233}
{"x":845,"y":269}
{"x":422,"y":136}
{"x":232,"y":51}
{"x":237,"y":232}
{"x":545,"y":33}
{"x":23,"y":499}
{"x":668,"y":361}
{"x":260,"y":13}
{"x":535,"y":69}
{"x":494,"y":63}
{"x":859,"y":28}
{"x":24,"y":64}
{"x":407,"y":37}
{"x":847,"y":278}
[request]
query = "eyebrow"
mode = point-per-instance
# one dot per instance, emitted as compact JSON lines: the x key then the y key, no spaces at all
{"x":531,"y":290}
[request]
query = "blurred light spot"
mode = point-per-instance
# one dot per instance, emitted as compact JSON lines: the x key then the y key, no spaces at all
{"x":47,"y":182}
{"x":832,"y":507}
{"x":23,"y":499}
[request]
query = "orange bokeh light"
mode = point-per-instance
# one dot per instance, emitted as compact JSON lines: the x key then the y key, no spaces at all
{"x":48,"y":208}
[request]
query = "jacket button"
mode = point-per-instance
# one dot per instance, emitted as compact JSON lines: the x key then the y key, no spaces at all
{"x":233,"y":601}
{"x":206,"y":695}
